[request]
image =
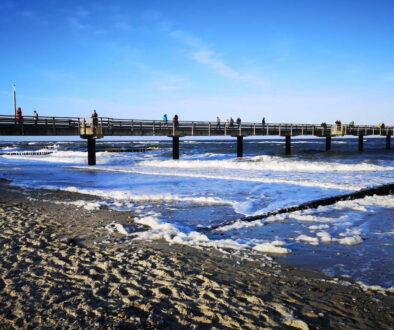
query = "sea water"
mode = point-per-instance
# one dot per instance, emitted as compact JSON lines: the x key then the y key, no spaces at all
{"x":177,"y":199}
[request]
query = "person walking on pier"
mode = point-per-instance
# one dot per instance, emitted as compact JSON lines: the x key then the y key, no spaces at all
{"x":238,"y":122}
{"x":175,"y":121}
{"x":227,"y":123}
{"x":217,"y":122}
{"x":35,"y":116}
{"x":165,"y":120}
{"x":263,"y":122}
{"x":19,"y":116}
{"x":95,"y":118}
{"x":231,"y":122}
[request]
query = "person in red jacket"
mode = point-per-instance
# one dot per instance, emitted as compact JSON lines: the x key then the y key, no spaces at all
{"x":175,"y":121}
{"x":19,"y":115}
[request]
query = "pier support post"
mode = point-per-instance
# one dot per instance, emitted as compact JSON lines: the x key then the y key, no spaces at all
{"x":240,"y":146}
{"x":388,"y":140}
{"x":91,"y":151}
{"x":175,"y":147}
{"x":328,"y":143}
{"x":288,"y":144}
{"x":360,"y":143}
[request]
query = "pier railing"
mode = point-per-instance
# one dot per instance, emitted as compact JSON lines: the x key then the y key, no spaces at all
{"x":45,"y":125}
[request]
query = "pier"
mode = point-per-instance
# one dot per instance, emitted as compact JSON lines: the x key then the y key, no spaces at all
{"x":84,"y":128}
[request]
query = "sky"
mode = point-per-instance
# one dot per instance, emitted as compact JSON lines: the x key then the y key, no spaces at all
{"x":287,"y":61}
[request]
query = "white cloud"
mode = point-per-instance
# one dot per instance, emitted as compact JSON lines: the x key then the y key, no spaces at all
{"x":205,"y":55}
{"x":76,"y":23}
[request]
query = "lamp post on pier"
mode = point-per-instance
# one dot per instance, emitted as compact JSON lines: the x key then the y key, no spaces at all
{"x":13,"y":86}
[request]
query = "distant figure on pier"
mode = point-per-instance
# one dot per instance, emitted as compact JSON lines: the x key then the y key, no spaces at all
{"x":338,"y":123}
{"x":19,"y":116}
{"x":383,"y":125}
{"x":263,"y":122}
{"x":238,"y":122}
{"x":175,"y":121}
{"x":35,"y":116}
{"x":227,"y":123}
{"x":351,"y":124}
{"x":217,"y":122}
{"x":165,"y":120}
{"x":94,"y":118}
{"x":231,"y":122}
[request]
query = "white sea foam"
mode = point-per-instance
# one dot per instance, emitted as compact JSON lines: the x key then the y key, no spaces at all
{"x":350,"y":240}
{"x":308,"y":239}
{"x":273,"y":247}
{"x":324,"y":237}
{"x":369,"y":201}
{"x":320,"y":227}
{"x":378,"y":288}
{"x":116,"y":227}
{"x":72,"y":157}
{"x":300,"y":182}
{"x":8,"y":148}
{"x":267,"y":163}
{"x":90,"y":206}
{"x":131,"y":196}
{"x":239,"y":225}
{"x":168,"y":232}
{"x":297,"y":215}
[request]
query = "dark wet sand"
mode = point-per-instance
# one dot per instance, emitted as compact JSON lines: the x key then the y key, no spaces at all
{"x":60,"y":267}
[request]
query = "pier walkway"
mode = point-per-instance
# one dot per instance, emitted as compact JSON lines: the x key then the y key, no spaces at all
{"x":84,"y":127}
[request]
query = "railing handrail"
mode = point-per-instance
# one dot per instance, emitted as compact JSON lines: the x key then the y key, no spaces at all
{"x":186,"y":123}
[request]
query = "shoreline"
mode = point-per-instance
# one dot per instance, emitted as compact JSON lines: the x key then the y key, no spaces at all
{"x":53,"y":273}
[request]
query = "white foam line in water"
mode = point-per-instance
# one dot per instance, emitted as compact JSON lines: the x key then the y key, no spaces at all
{"x":303,"y":183}
{"x":267,"y":163}
{"x":130,"y":196}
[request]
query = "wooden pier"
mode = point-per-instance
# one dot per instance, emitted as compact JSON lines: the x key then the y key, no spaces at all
{"x":84,"y":127}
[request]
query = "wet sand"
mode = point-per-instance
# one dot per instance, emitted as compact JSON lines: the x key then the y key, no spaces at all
{"x":60,"y":267}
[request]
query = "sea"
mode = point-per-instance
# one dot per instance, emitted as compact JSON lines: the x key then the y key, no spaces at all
{"x":180,"y":200}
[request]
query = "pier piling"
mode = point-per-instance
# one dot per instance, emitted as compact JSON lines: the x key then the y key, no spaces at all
{"x":388,"y":140}
{"x":175,"y":147}
{"x":288,"y":144}
{"x":360,"y":143}
{"x":240,"y":146}
{"x":91,"y":151}
{"x":328,"y":143}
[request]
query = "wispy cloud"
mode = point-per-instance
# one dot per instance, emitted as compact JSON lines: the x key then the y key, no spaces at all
{"x":76,"y":23}
{"x":203,"y":54}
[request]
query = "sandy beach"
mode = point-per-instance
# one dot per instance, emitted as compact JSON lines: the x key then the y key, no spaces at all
{"x":62,"y":266}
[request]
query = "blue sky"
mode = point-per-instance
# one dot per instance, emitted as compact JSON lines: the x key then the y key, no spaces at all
{"x":290,"y":61}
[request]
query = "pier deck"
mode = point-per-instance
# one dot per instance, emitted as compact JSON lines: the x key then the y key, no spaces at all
{"x":83,"y":127}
